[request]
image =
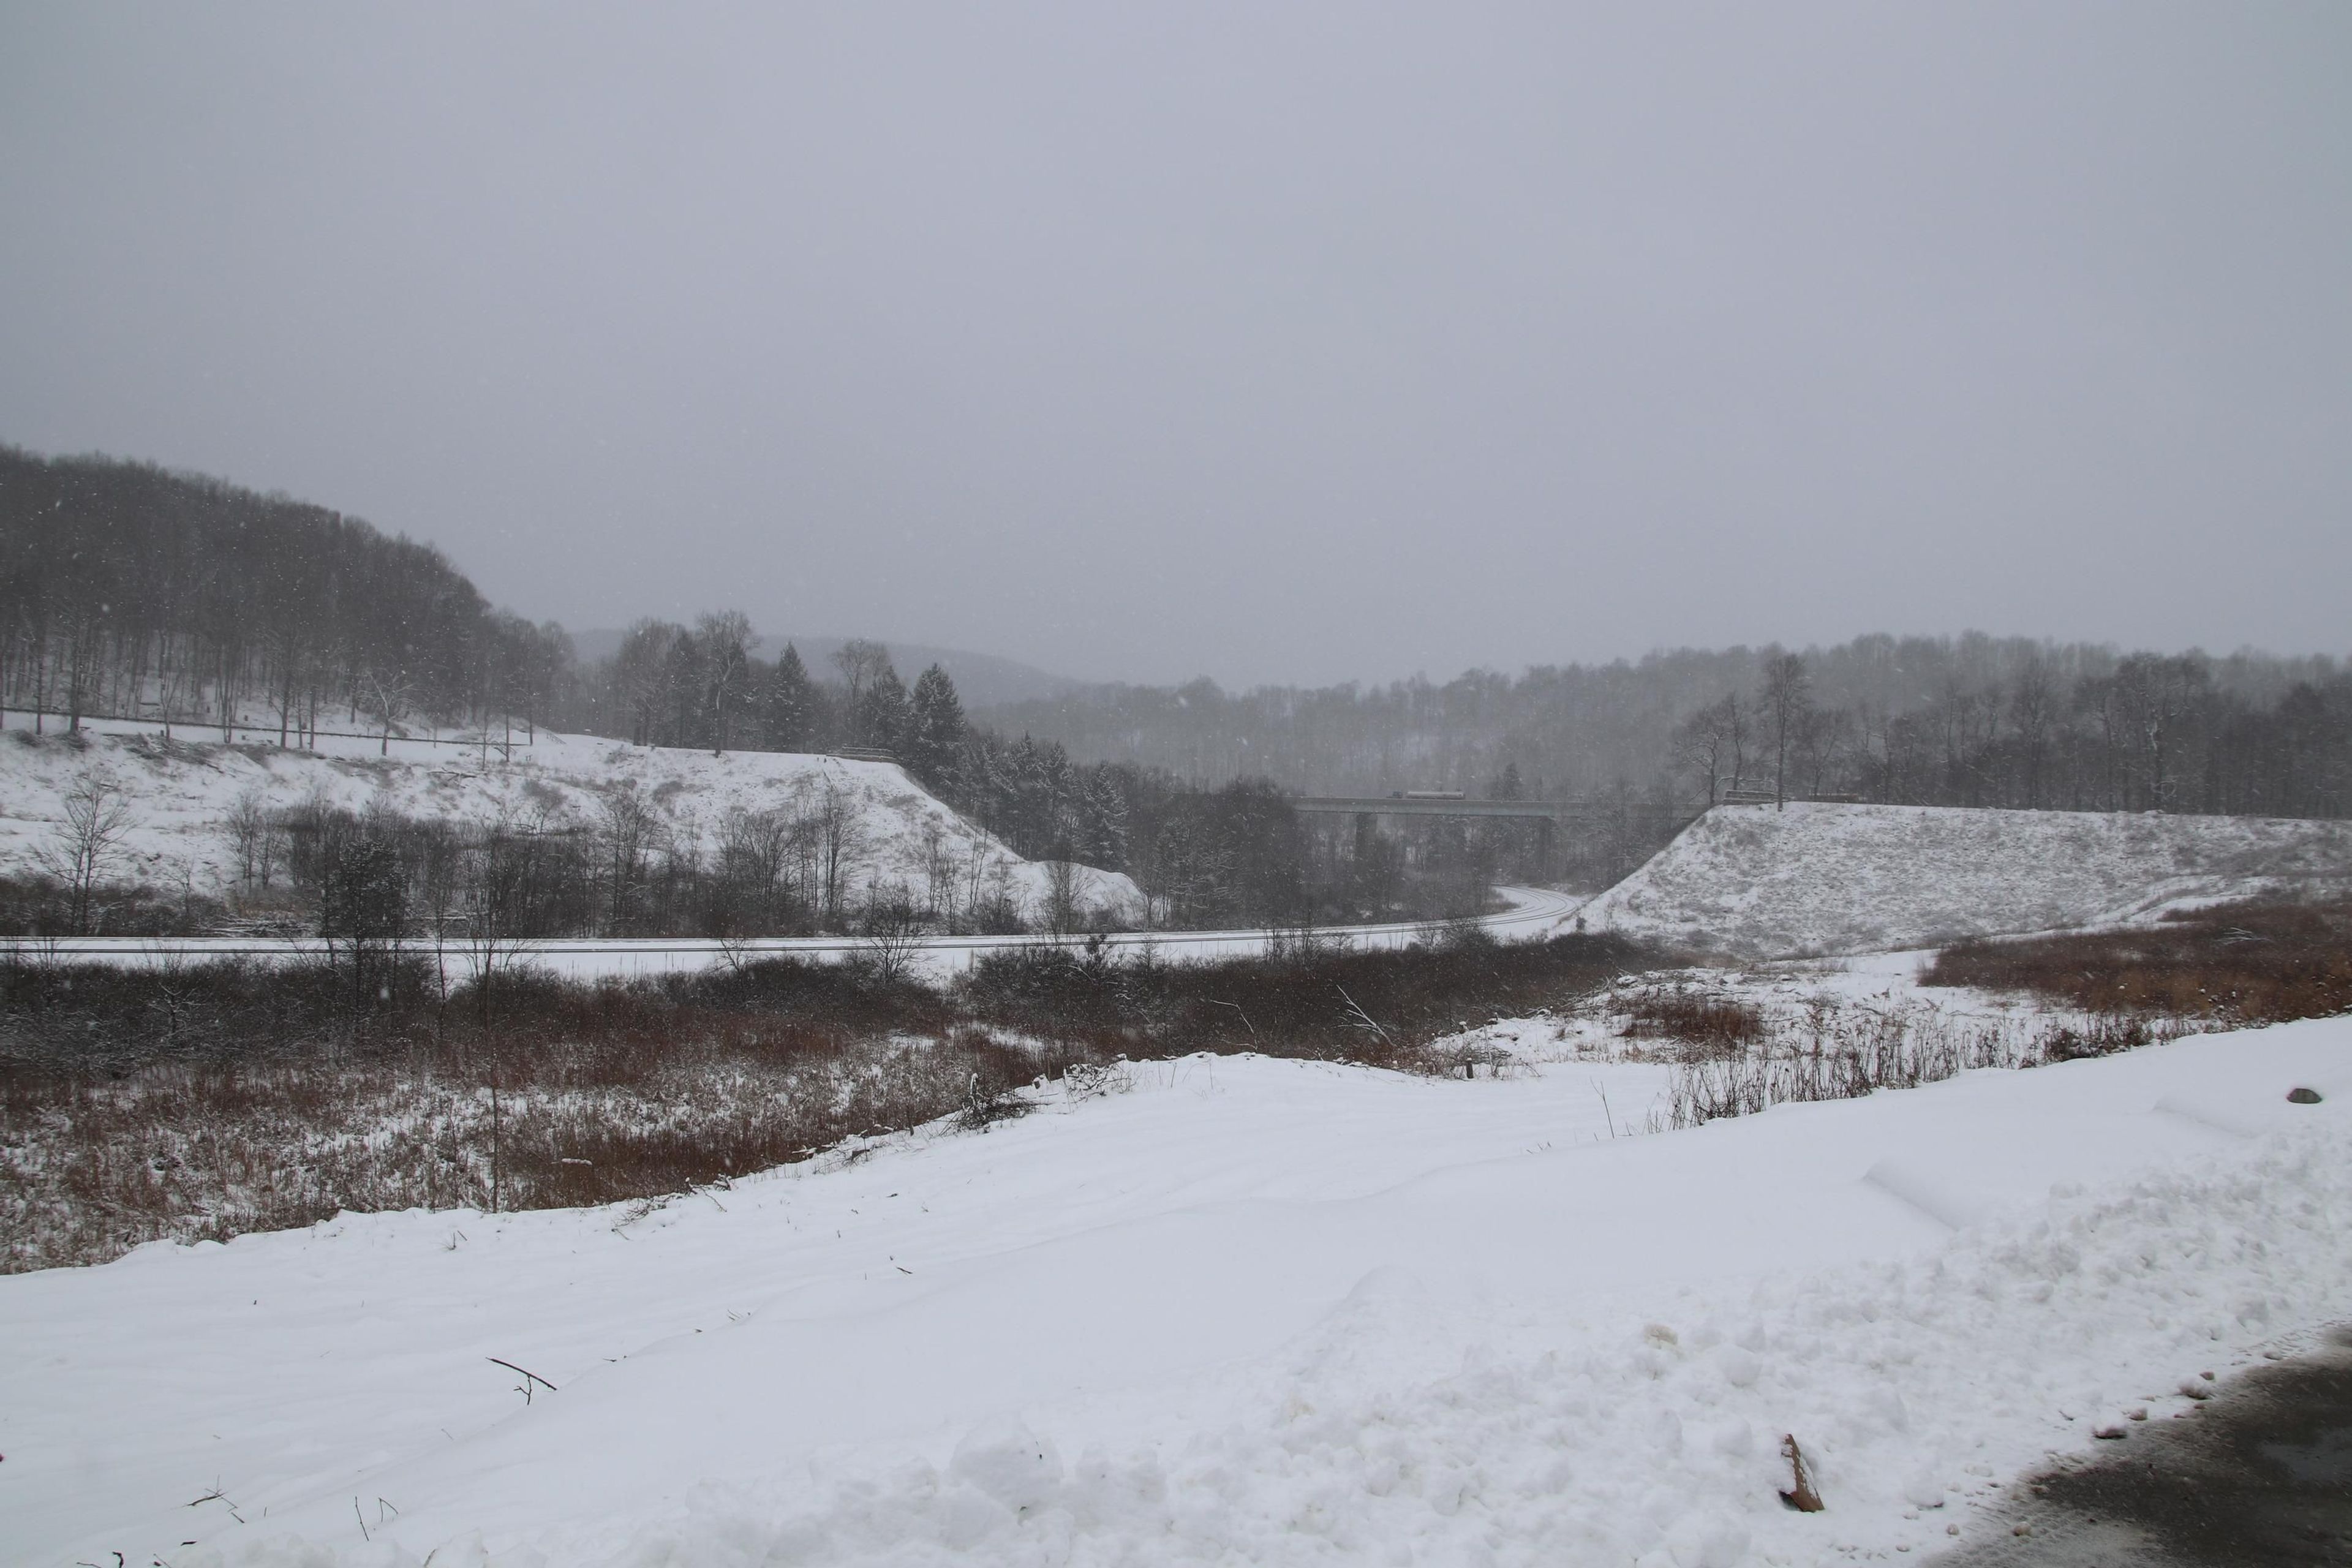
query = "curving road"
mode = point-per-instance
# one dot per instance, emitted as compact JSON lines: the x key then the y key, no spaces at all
{"x":1535,"y":912}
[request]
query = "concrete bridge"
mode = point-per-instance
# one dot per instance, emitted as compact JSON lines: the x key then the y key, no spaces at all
{"x":1433,"y":805}
{"x":1553,"y":818}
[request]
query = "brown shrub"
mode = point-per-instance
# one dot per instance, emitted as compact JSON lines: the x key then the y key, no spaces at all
{"x":1384,"y":1008}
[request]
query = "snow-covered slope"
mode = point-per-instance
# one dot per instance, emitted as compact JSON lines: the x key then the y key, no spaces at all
{"x":1822,"y":878}
{"x":180,"y":794}
{"x":1252,"y":1311}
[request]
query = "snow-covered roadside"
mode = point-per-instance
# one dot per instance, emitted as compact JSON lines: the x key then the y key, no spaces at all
{"x":1260,"y":1310}
{"x":1527,"y":915}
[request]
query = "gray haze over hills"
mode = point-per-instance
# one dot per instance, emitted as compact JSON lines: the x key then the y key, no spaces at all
{"x":1297,"y":343}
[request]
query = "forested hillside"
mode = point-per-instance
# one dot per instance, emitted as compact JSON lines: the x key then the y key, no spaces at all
{"x":1972,"y":721}
{"x":129,"y":591}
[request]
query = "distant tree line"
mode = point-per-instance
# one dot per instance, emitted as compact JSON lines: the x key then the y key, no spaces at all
{"x":2142,"y":732}
{"x":1972,"y":721}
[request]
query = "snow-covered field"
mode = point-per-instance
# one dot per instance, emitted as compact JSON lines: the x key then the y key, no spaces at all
{"x":1822,"y":878}
{"x":1250,"y":1310}
{"x":181,"y":795}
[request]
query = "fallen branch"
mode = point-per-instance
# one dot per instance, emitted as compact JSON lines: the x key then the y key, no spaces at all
{"x":529,"y":1377}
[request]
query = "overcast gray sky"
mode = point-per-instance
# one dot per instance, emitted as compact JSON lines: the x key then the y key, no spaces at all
{"x":1274,"y":341}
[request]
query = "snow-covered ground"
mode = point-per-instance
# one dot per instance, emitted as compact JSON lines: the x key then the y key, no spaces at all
{"x":181,"y":794}
{"x":1250,"y":1310}
{"x":1822,"y":879}
{"x":1801,"y":1005}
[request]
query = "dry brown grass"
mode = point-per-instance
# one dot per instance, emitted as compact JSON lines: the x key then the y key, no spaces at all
{"x":2241,"y":964}
{"x":1703,"y":1024}
{"x":1845,"y":1053}
{"x":207,"y":1101}
{"x":2104,"y":992}
{"x":1384,"y":1008}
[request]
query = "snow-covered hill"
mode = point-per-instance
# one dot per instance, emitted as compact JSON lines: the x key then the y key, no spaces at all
{"x":1252,"y":1311}
{"x":180,"y":794}
{"x":1822,"y":879}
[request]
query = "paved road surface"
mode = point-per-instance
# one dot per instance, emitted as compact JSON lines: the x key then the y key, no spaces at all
{"x":1534,"y":912}
{"x":2259,"y":1476}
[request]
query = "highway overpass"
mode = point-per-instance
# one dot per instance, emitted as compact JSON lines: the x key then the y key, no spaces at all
{"x":1585,"y":810}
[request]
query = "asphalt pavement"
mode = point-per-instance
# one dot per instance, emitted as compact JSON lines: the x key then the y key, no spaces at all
{"x":2259,"y":1476}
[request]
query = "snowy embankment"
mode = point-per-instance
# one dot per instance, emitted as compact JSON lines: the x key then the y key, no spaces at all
{"x":1820,"y":879}
{"x":1252,"y":1311}
{"x":180,"y":794}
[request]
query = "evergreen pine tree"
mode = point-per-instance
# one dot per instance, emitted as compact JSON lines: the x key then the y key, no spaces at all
{"x":882,"y":712}
{"x":791,"y":704}
{"x":935,"y":728}
{"x":1104,"y":813}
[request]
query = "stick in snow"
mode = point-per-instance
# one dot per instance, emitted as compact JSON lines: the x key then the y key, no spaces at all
{"x":1802,"y":1496}
{"x":529,"y":1377}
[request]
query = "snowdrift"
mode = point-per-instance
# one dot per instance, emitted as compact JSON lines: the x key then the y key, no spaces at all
{"x":1814,"y":879}
{"x":181,"y":792}
{"x":1253,"y":1311}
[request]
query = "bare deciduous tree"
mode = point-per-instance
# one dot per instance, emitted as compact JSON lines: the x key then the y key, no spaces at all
{"x":2032,"y":712}
{"x":755,"y":853}
{"x":500,"y":881}
{"x":861,"y":663}
{"x":386,"y":693}
{"x":1786,"y":697}
{"x":725,"y":640}
{"x":1714,"y":738}
{"x":1067,"y":885}
{"x":1826,"y":741}
{"x":939,"y":872}
{"x":640,"y":676}
{"x":96,"y":815}
{"x":627,"y":832}
{"x":891,"y":932}
{"x":249,"y":829}
{"x":840,"y":838}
